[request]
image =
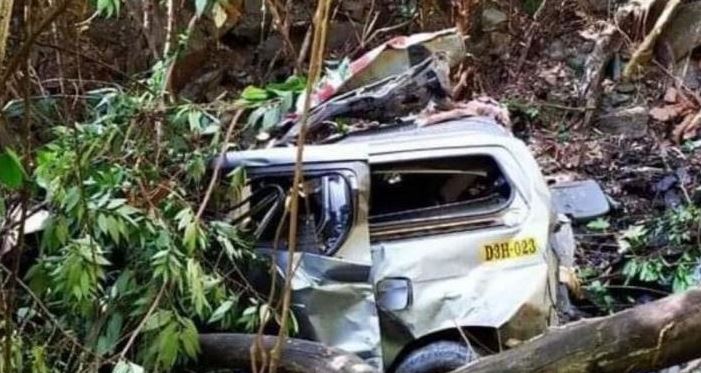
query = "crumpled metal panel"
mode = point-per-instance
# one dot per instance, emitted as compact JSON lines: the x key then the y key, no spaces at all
{"x":453,"y":286}
{"x":335,"y":304}
{"x":390,"y":58}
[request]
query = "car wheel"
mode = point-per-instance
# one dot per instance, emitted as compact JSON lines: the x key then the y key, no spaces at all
{"x":437,"y":357}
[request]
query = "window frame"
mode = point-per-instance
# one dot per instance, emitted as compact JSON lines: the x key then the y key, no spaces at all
{"x":347,"y":174}
{"x":455,"y":222}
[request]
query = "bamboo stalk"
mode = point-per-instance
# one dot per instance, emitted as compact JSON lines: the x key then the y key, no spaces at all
{"x":5,"y":17}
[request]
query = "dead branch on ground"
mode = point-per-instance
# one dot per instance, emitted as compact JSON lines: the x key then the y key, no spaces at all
{"x":231,"y":351}
{"x":641,"y":339}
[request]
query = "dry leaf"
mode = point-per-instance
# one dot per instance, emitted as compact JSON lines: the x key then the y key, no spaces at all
{"x":219,"y":14}
{"x":226,"y":14}
{"x":666,"y":113}
{"x":688,"y":128}
{"x":483,"y":107}
{"x":670,"y":95}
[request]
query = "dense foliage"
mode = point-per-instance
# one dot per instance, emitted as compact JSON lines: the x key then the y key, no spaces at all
{"x":127,"y":272}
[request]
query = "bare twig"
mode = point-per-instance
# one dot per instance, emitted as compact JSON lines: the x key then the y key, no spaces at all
{"x":57,"y":324}
{"x":142,"y":324}
{"x":530,"y":34}
{"x":315,"y":66}
{"x":304,"y":49}
{"x":283,"y":27}
{"x":644,"y":51}
{"x":170,"y":28}
{"x":218,"y":165}
{"x":5,"y":16}
{"x":257,"y":348}
{"x":53,"y":13}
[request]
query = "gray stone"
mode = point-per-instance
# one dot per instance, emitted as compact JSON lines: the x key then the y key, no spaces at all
{"x":577,"y":62}
{"x":499,"y":43}
{"x":492,"y":18}
{"x":618,"y":99}
{"x":629,"y":122}
{"x":556,"y":51}
{"x":691,"y":78}
{"x":587,"y":46}
{"x":625,"y":88}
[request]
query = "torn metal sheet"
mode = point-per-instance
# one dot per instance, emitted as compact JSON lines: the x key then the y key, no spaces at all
{"x":393,"y":80}
{"x":334,"y":303}
{"x":385,"y":100}
{"x":393,"y":57}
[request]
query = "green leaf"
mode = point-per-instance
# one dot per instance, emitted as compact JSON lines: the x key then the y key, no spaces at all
{"x":254,"y":116}
{"x":272,"y":117}
{"x":599,"y":225}
{"x":117,"y":202}
{"x":190,"y":236}
{"x":221,"y":311}
{"x":189,"y":338}
{"x":124,"y":366}
{"x":194,"y":118}
{"x":158,"y":319}
{"x":39,"y":360}
{"x":252,"y":93}
{"x":11,"y":170}
{"x":113,"y":228}
{"x":293,"y":84}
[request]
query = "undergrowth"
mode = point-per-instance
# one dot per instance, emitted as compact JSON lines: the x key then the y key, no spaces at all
{"x":659,"y":256}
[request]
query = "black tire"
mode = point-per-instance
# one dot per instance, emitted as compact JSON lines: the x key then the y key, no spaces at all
{"x":437,"y":357}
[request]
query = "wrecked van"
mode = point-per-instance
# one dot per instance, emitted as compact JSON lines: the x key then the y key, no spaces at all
{"x":420,"y":248}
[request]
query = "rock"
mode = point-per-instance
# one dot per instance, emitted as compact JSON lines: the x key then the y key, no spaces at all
{"x":492,"y":18}
{"x":500,"y":43}
{"x":629,"y":122}
{"x":577,"y":62}
{"x":626,"y":88}
{"x":587,"y":46}
{"x":670,"y":95}
{"x":618,"y":99}
{"x":689,"y":74}
{"x":556,"y":51}
{"x":354,"y":9}
{"x":597,"y":6}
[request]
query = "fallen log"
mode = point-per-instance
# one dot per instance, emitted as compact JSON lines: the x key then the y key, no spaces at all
{"x":232,"y":351}
{"x":652,"y":336}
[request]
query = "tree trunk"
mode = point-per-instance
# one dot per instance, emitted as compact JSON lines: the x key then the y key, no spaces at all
{"x":230,"y":350}
{"x":645,"y":338}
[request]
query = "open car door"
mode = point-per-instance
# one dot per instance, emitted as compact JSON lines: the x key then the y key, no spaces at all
{"x":333,"y":298}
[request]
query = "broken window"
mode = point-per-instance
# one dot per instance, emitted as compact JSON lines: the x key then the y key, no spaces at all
{"x":325,"y":212}
{"x":433,"y":189}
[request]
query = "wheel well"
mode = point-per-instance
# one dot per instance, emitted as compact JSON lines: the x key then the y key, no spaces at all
{"x":483,"y":339}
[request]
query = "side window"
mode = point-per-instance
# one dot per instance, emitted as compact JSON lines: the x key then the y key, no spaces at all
{"x":434,"y":189}
{"x":325,"y":211}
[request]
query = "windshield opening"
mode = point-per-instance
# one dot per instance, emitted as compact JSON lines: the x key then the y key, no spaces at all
{"x":325,"y":212}
{"x":431,"y":189}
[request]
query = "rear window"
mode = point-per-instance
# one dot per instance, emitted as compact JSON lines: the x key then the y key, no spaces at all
{"x":432,"y":189}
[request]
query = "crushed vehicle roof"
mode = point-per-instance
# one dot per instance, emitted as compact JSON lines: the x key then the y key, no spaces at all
{"x":357,"y":146}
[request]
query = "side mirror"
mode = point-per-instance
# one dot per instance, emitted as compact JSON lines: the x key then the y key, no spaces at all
{"x":394,"y":294}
